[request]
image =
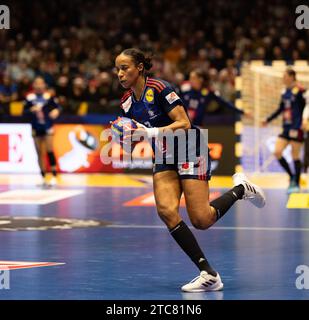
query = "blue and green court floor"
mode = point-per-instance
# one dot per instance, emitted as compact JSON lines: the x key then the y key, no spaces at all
{"x":99,"y":237}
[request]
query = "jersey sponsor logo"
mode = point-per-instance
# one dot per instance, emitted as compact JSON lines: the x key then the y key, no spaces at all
{"x":295,"y":90}
{"x":149,"y":96}
{"x":172,"y":97}
{"x":204,"y":92}
{"x":127,"y":104}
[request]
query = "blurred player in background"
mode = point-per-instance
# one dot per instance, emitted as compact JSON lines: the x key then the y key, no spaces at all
{"x":291,"y":105}
{"x":197,"y":95}
{"x":305,"y":127}
{"x":42,"y":109}
{"x":157,"y":108}
{"x":8,"y":94}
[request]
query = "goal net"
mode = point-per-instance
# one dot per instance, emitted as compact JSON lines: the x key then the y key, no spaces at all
{"x":261,"y":88}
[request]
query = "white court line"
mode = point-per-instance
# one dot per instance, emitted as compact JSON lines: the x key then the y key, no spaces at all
{"x":137,"y":226}
{"x":35,"y":196}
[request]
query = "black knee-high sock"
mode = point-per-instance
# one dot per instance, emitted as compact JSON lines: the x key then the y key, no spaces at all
{"x":285,"y":166}
{"x":52,"y":162}
{"x":186,"y":240}
{"x":297,"y":165}
{"x":223,"y":203}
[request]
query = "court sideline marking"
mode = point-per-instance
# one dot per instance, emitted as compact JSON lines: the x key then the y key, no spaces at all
{"x":137,"y":226}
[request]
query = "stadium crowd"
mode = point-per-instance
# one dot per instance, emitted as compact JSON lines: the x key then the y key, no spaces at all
{"x":72,"y":44}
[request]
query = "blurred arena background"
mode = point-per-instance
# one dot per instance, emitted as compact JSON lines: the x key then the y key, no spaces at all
{"x":74,"y":52}
{"x":244,"y":46}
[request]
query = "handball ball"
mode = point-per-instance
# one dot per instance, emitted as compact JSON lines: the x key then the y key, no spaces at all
{"x":121,"y":127}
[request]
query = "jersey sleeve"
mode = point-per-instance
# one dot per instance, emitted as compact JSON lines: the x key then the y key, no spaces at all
{"x":277,"y":112}
{"x":302,"y":99}
{"x":306,"y":109}
{"x":27,"y":106}
{"x":53,"y":104}
{"x":169,"y":99}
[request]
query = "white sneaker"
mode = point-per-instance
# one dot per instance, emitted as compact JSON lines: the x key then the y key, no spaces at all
{"x":52,"y":182}
{"x":253,"y":193}
{"x":42,"y":183}
{"x":204,"y":282}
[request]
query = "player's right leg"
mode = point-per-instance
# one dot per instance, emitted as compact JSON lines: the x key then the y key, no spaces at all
{"x":39,"y":146}
{"x":281,"y":144}
{"x":51,"y":157}
{"x":167,"y":192}
{"x":306,"y":153}
{"x":296,"y":149}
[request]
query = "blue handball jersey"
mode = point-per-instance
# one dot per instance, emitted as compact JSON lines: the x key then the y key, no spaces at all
{"x":40,"y":120}
{"x":292,"y":105}
{"x":197,"y":102}
{"x":157,"y":100}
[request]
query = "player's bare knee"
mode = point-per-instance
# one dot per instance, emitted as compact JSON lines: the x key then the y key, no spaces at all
{"x":168,"y":215}
{"x":278,"y":154}
{"x":201,"y":224}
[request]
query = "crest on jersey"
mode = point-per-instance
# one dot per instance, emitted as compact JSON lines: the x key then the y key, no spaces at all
{"x":149,"y":95}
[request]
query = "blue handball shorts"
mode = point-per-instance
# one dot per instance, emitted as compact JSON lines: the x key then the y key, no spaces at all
{"x":201,"y":170}
{"x":293,"y":135}
{"x":42,"y":132}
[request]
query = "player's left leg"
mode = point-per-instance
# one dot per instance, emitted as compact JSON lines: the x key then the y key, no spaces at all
{"x":194,"y":181}
{"x":281,"y":143}
{"x":296,"y":148}
{"x":306,"y":153}
{"x":40,"y":149}
{"x":204,"y":214}
{"x":51,"y":157}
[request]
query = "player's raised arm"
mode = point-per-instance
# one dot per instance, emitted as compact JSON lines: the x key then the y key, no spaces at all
{"x":275,"y":114}
{"x":214,"y":95}
{"x":305,"y":117}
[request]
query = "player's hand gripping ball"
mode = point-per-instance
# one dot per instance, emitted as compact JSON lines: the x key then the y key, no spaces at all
{"x":122,"y":130}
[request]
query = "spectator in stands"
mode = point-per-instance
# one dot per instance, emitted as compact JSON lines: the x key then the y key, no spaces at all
{"x":24,"y":86}
{"x":83,"y":40}
{"x":62,"y":91}
{"x":76,"y":95}
{"x":94,"y":98}
{"x":8,"y":94}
